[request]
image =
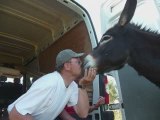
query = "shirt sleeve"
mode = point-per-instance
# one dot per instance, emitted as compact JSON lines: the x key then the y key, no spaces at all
{"x":34,"y":100}
{"x":74,"y":96}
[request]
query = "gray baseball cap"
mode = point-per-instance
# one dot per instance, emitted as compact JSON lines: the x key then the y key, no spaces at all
{"x":65,"y":56}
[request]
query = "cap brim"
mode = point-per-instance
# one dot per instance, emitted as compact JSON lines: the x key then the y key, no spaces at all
{"x":79,"y":55}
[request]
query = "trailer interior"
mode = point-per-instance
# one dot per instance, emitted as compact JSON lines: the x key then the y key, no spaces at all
{"x":32,"y":32}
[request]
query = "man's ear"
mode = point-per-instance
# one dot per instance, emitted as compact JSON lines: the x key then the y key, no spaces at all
{"x":67,"y":66}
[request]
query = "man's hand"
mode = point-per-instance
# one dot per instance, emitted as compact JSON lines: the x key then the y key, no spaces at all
{"x":89,"y":76}
{"x":100,"y":102}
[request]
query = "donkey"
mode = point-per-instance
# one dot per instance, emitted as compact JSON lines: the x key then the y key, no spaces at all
{"x":127,"y":43}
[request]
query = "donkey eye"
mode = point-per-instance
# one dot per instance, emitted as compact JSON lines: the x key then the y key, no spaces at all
{"x":105,"y":39}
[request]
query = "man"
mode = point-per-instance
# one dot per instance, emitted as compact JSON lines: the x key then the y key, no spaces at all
{"x":48,"y":96}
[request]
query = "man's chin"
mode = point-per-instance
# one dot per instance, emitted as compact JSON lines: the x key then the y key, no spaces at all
{"x":78,"y":77}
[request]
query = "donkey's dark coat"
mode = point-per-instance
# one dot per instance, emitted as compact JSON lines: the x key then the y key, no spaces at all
{"x":127,"y":43}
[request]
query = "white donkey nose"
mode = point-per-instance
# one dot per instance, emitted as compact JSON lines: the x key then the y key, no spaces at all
{"x":89,"y":61}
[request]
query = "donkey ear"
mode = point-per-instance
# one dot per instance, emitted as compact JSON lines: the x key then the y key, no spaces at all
{"x":127,"y":12}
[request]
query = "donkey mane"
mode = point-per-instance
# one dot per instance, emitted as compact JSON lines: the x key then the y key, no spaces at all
{"x":146,"y":30}
{"x":146,"y":36}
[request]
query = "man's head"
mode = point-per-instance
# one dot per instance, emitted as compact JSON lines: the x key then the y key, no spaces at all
{"x":66,"y":56}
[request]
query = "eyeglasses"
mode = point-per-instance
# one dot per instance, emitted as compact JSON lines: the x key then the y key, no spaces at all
{"x":77,"y":62}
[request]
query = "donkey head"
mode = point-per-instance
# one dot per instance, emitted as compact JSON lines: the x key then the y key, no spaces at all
{"x":112,"y":51}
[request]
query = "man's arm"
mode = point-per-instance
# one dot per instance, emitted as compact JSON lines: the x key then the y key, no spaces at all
{"x":82,"y":107}
{"x":15,"y":115}
{"x":66,"y":116}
